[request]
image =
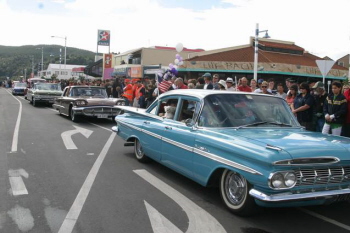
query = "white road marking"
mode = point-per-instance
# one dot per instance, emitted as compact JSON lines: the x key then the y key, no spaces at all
{"x":199,"y":220}
{"x":22,"y":217}
{"x":17,"y":185}
{"x":67,"y":136}
{"x":18,"y":122}
{"x":324,"y":218}
{"x":101,"y":127}
{"x":74,"y":212}
{"x":160,"y":224}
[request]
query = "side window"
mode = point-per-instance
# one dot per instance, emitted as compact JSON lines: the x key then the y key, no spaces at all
{"x":154,"y":110}
{"x":187,"y":108}
{"x":167,"y":108}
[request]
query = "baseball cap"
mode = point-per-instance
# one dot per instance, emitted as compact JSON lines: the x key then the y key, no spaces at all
{"x":229,"y":80}
{"x":260,"y":80}
{"x":206,"y":75}
{"x":317,"y":85}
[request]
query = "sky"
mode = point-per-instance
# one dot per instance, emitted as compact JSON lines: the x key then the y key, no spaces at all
{"x":322,"y":27}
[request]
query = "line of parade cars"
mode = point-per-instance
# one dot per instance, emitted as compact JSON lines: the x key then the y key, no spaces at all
{"x":73,"y":101}
{"x":248,"y":145}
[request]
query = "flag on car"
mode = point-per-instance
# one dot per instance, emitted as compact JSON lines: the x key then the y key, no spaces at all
{"x":163,"y":85}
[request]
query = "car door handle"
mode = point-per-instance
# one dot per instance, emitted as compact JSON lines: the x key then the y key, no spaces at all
{"x":147,"y":122}
{"x":168,"y":127}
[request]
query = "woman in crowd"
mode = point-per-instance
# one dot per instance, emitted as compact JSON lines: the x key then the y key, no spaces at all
{"x":334,"y":109}
{"x":346,"y":128}
{"x":222,"y":85}
{"x":303,"y":106}
{"x":253,"y":85}
{"x":292,"y":93}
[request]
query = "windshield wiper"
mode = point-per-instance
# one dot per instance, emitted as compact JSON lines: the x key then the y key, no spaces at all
{"x":264,"y":122}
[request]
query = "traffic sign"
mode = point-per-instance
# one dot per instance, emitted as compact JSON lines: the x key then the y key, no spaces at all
{"x":325,"y":66}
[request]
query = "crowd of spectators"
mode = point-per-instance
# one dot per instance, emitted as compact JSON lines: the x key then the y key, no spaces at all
{"x":314,"y":108}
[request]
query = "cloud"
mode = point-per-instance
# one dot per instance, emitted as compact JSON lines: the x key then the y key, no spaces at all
{"x":317,"y":26}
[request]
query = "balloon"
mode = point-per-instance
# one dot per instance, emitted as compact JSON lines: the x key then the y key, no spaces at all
{"x":180,"y":63}
{"x":177,"y":61}
{"x":171,"y":65}
{"x":175,"y":67}
{"x":180,"y":58}
{"x":179,"y":47}
{"x":177,"y":56}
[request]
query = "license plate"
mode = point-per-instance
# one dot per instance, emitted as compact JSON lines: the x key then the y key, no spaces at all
{"x":102,"y":116}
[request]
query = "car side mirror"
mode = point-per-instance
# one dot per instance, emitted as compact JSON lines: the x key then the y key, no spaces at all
{"x":189,"y":122}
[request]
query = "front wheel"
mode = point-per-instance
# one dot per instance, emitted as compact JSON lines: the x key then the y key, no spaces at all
{"x":73,"y":116}
{"x":34,"y":103}
{"x":139,"y":154}
{"x":234,"y":190}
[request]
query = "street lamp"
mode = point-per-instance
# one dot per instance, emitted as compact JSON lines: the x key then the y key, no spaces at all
{"x":42,"y":59}
{"x":256,"y":49}
{"x":65,"y":48}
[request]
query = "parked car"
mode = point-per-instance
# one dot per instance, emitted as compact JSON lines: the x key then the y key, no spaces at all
{"x":249,"y":145}
{"x":43,"y":93}
{"x":91,"y":101}
{"x":19,"y":88}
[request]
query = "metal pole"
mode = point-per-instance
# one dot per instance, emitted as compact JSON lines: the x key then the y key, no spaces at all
{"x":42,"y":60}
{"x":65,"y":51}
{"x":256,"y":52}
{"x":32,"y":67}
{"x":25,"y":74}
{"x":59,"y":73}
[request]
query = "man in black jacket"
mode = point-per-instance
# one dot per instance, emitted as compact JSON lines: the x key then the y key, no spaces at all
{"x":334,"y":109}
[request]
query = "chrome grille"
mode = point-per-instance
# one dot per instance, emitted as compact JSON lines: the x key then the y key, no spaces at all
{"x":100,"y":110}
{"x":319,"y":176}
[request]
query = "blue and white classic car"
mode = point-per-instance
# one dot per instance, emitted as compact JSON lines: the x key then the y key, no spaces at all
{"x":250,"y":145}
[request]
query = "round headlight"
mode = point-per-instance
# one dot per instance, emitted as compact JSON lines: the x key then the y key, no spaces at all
{"x":290,"y":179}
{"x":80,"y":102}
{"x":277,"y":180}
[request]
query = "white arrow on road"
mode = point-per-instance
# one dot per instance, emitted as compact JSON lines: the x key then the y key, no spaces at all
{"x":67,"y":136}
{"x":199,"y":220}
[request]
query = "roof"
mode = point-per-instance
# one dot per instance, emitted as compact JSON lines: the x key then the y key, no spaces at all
{"x":246,"y":54}
{"x":201,"y":93}
{"x":63,"y":66}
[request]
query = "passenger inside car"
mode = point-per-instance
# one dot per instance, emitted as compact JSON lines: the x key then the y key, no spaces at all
{"x":167,"y":109}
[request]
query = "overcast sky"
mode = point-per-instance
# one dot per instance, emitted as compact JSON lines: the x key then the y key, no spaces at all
{"x":322,"y":27}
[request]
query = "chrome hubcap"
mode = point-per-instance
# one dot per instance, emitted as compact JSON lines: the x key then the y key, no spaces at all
{"x":235,"y":188}
{"x":139,"y":151}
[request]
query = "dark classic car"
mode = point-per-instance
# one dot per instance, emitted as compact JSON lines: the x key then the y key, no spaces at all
{"x":19,"y":89}
{"x":91,"y":101}
{"x":43,"y":93}
{"x":249,"y":145}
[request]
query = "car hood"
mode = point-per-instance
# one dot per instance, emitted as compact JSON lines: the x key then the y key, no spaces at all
{"x":100,"y":101}
{"x":47,"y":92}
{"x":298,"y":143}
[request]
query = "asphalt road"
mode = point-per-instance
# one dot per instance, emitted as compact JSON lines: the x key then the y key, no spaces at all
{"x":100,"y":187}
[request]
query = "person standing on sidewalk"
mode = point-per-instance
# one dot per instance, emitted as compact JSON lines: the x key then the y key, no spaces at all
{"x":334,"y":109}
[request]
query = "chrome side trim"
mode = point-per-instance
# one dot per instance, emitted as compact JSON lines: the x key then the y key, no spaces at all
{"x":195,"y":150}
{"x":183,"y":146}
{"x":308,"y":161}
{"x":226,"y":161}
{"x":290,"y":197}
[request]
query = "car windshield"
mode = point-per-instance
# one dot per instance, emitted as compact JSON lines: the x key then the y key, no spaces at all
{"x":47,"y":86}
{"x":20,"y":85}
{"x":87,"y":91}
{"x":245,"y":110}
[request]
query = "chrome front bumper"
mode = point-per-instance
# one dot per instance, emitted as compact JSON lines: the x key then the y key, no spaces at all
{"x":298,"y":196}
{"x":93,"y":111}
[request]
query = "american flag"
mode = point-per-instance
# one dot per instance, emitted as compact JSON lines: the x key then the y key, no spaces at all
{"x":163,"y":85}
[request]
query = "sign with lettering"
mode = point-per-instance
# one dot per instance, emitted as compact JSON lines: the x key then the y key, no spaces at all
{"x":249,"y":66}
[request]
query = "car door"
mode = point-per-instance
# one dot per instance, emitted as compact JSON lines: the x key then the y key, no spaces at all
{"x":178,"y":137}
{"x":152,"y":127}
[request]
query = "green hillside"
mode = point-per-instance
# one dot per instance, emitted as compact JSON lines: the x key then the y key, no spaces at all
{"x":14,"y":59}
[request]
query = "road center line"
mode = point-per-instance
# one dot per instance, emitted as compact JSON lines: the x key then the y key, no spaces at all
{"x":74,"y":212}
{"x":18,"y":122}
{"x":324,"y":218}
